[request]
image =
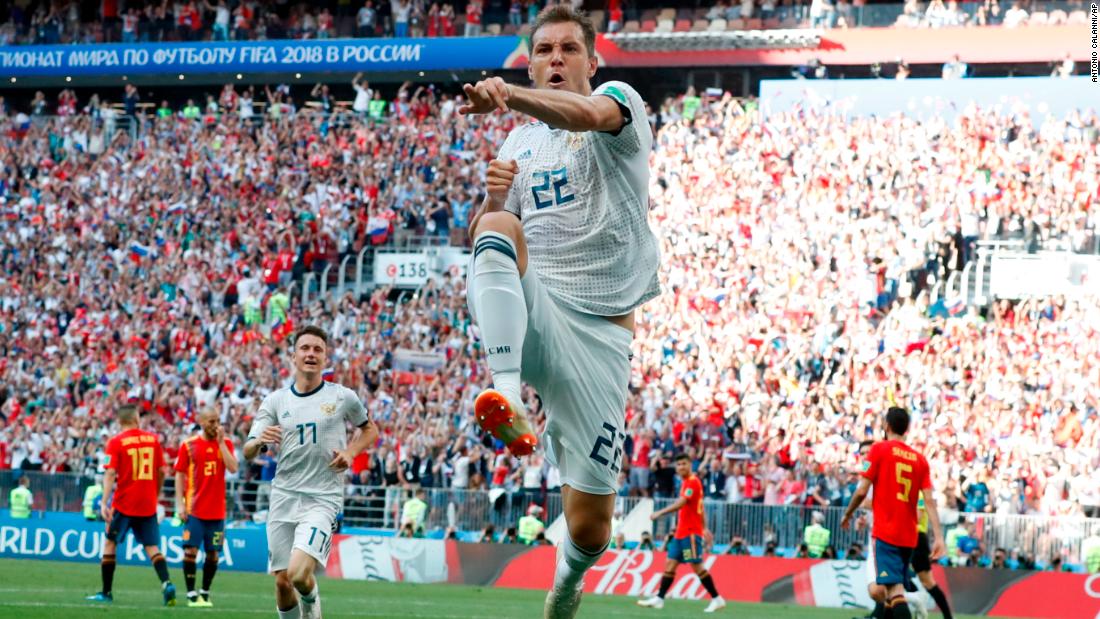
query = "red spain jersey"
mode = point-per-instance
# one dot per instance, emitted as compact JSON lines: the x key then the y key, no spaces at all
{"x":691,"y":514}
{"x":898,"y":474}
{"x":136,"y":457}
{"x":203,"y":468}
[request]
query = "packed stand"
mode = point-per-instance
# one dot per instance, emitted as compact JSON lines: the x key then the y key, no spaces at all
{"x":798,"y":253}
{"x":48,"y":22}
{"x":69,"y":21}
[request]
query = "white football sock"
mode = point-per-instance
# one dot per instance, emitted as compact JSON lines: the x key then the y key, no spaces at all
{"x":498,"y":306}
{"x":574,"y":562}
{"x":310,"y":598}
{"x":293,"y":613}
{"x":914,"y":600}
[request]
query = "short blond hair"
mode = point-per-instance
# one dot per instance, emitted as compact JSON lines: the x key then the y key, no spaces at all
{"x":127,"y":413}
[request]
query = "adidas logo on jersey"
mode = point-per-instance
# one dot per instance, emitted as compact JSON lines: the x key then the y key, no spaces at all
{"x":883,"y":574}
{"x":286,"y":414}
{"x":526,"y":155}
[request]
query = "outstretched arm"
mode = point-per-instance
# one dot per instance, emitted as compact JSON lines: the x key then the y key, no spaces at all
{"x":567,"y":110}
{"x":677,"y":504}
{"x":557,"y":108}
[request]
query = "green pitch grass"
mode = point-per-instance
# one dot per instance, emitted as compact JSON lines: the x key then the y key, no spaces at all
{"x":41,"y":589}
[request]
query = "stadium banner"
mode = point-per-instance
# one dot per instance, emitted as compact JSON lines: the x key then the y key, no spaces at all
{"x":414,"y":269}
{"x":401,"y":269}
{"x":927,"y":98}
{"x":450,"y":260}
{"x":1020,"y":275}
{"x":344,"y":55}
{"x":63,"y":536}
{"x":865,"y":46}
{"x":812,"y":582}
{"x":393,"y":559}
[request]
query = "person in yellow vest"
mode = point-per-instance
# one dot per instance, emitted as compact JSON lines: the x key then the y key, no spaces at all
{"x":91,"y":493}
{"x":1090,"y":553}
{"x":21,"y":499}
{"x":921,"y":561}
{"x":414,"y":512}
{"x":816,"y":536}
{"x":530,"y":526}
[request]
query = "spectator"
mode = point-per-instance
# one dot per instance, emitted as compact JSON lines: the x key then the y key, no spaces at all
{"x":977,"y":495}
{"x":366,"y":20}
{"x":93,"y":496}
{"x":1065,"y":68}
{"x":816,"y":537}
{"x":1015,"y":16}
{"x":401,"y":10}
{"x":363,"y":95}
{"x":414,"y":513}
{"x":955,"y":69}
{"x":488,"y":535}
{"x":737,"y":547}
{"x":1090,"y":553}
{"x":20,"y":499}
{"x":473,"y":19}
{"x":530,"y":525}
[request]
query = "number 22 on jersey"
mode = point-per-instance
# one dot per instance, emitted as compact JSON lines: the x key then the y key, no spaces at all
{"x":552,"y":188}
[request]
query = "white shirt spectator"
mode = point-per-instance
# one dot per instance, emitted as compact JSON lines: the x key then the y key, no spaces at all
{"x":1014,"y":17}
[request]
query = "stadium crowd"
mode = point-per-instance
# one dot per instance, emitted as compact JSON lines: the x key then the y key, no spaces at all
{"x":798,"y":254}
{"x":69,"y":21}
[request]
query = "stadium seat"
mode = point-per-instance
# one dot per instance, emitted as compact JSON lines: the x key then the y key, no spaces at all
{"x":718,"y":25}
{"x":754,"y":23}
{"x":1057,"y":17}
{"x":649,"y":25}
{"x":524,"y":30}
{"x":509,"y":29}
{"x":1077,"y":17}
{"x":735,"y":24}
{"x":492,"y":29}
{"x":682,"y":25}
{"x":687,"y":14}
{"x":1038,"y":18}
{"x":772,"y":23}
{"x":669,"y":14}
{"x":649,"y":14}
{"x":632,"y":26}
{"x":701,"y":12}
{"x":700,"y":25}
{"x":664,"y":25}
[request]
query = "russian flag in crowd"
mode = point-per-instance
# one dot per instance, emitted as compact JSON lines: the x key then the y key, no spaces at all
{"x":139,"y":251}
{"x":378,"y":228}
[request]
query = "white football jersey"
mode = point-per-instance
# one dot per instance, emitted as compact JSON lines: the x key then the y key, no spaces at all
{"x":314,"y":426}
{"x":583,"y":198}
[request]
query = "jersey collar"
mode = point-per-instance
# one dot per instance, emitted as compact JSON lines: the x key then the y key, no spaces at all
{"x":306,"y":395}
